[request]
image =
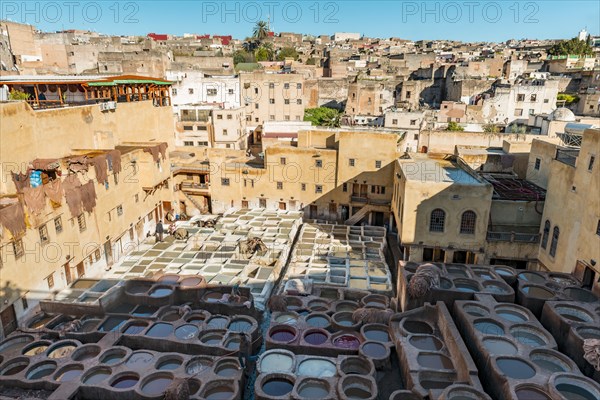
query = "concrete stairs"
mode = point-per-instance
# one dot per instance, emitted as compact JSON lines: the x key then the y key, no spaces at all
{"x":363,"y":212}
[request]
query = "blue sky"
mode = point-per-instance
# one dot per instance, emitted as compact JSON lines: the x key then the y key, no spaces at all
{"x":468,"y":20}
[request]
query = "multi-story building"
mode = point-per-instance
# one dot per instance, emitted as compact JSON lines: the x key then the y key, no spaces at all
{"x":72,"y":231}
{"x":210,"y":125}
{"x":570,"y":228}
{"x":272,"y":97}
{"x":197,"y":87}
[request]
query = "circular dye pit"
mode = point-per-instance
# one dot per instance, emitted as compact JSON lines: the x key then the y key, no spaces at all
{"x":40,"y":321}
{"x":138,"y":289}
{"x":511,"y":314}
{"x":287,"y":318}
{"x":112,"y":357}
{"x":496,"y":287}
{"x":531,"y":277}
{"x":217,"y":323}
{"x":343,"y":319}
{"x":581,"y":295}
{"x":293,"y":303}
{"x":355,"y":366}
{"x":282,"y":334}
{"x":347,"y":306}
{"x":186,"y":332}
{"x":212,"y":338}
{"x":376,"y":332}
{"x":227,"y":369}
{"x":574,"y":314}
{"x":529,"y":393}
{"x":575,"y":392}
{"x":233,"y":342}
{"x":276,"y":362}
{"x":169,"y":364}
{"x":457,"y":271}
{"x":161,"y":292}
{"x":318,"y":320}
{"x":277,"y":387}
{"x":357,"y":392}
{"x":445,"y":283}
{"x":547,"y":361}
{"x":15,"y":366}
{"x":426,"y":342}
{"x":529,"y":336}
{"x":15,"y":343}
{"x":318,"y":306}
{"x":160,"y":330}
{"x":317,"y":368}
{"x":96,"y":376}
{"x":41,"y":370}
{"x":315,"y":338}
{"x":240,"y":325}
{"x":588,"y":332}
{"x":374,"y":350}
{"x":156,"y":385}
{"x":218,"y":393}
{"x":514,"y":368}
{"x":35,"y":348}
{"x":169,"y":278}
{"x":489,"y":327}
{"x":86,"y":353}
{"x":198,"y":365}
{"x":69,"y":373}
{"x":500,"y":346}
{"x":61,"y":350}
{"x":475,"y":310}
{"x":139,"y":360}
{"x":135,"y":328}
{"x":189,"y":282}
{"x":417,"y":327}
{"x":468,"y":286}
{"x":125,"y":381}
{"x":170,"y":316}
{"x":504,"y":271}
{"x":538,"y":292}
{"x":313,"y":389}
{"x":346,"y":341}
{"x":434,"y":361}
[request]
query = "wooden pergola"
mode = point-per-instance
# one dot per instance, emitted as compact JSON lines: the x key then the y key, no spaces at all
{"x":123,"y":88}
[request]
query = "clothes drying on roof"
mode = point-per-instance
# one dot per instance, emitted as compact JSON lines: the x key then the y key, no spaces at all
{"x":88,"y":196}
{"x":114,"y":160}
{"x":101,"y":168}
{"x":54,"y":190}
{"x":12,"y":217}
{"x":35,"y":199}
{"x":46,"y":164}
{"x":21,"y":181}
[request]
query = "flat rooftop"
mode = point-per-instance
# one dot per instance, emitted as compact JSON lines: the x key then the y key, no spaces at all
{"x":427,"y":168}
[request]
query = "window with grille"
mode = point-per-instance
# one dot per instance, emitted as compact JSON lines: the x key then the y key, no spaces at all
{"x":119,"y":210}
{"x":18,"y":248}
{"x":58,"y":224}
{"x":351,"y":162}
{"x":44,"y":238}
{"x":224,"y":181}
{"x":554,"y":242}
{"x":545,"y":234}
{"x":279,"y":185}
{"x":377,"y":164}
{"x":467,"y":223}
{"x":537,"y":164}
{"x":436,"y":223}
{"x":81,"y":222}
{"x":319,"y":163}
{"x":318,"y":189}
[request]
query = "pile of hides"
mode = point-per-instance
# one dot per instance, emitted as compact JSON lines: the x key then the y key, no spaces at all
{"x":426,"y":277}
{"x":591,"y":352}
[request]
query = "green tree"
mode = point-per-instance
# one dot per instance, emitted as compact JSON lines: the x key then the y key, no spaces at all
{"x":242,"y":56}
{"x":491,"y":128}
{"x":265,"y":52}
{"x":567,"y":98}
{"x":18,"y":95}
{"x":573,"y":47}
{"x":287,"y":52}
{"x":323,"y":116}
{"x":454,"y":126}
{"x":261,"y":31}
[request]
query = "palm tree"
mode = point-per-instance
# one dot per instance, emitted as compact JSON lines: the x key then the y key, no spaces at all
{"x":261,"y":31}
{"x":265,"y":52}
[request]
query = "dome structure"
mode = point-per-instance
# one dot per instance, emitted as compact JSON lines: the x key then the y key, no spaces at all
{"x":562,"y":114}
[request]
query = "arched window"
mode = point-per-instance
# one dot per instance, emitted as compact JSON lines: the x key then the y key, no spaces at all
{"x":546,"y":234}
{"x":467,"y":222}
{"x":554,"y":242}
{"x":436,"y":223}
